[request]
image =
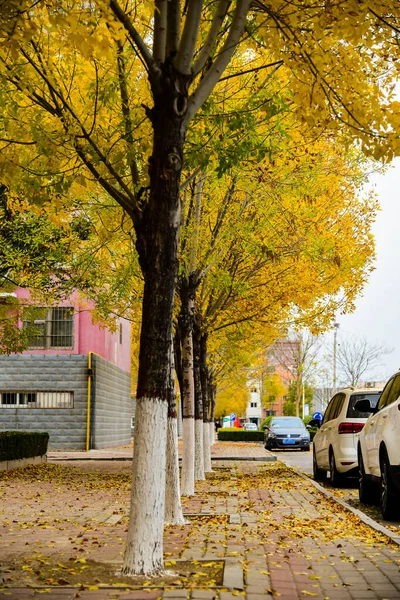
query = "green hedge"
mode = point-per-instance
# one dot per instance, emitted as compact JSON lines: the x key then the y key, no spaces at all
{"x":239,"y":435}
{"x":312,"y":431}
{"x":15,"y":445}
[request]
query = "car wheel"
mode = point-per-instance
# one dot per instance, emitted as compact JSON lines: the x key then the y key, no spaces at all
{"x":389,"y":502}
{"x":319,"y":474}
{"x":336,"y":477}
{"x":366,"y":489}
{"x":306,"y":449}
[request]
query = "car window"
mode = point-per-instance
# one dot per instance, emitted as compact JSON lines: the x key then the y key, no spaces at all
{"x":352,"y":413}
{"x":330,"y":410}
{"x":385,"y":394}
{"x":338,"y":405}
{"x":287,"y":423}
{"x":394,"y":392}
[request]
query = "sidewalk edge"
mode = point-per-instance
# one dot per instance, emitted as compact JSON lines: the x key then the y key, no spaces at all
{"x":395,"y":538}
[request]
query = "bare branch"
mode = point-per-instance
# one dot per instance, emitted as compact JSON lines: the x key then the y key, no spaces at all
{"x":277,"y":63}
{"x":8,"y":142}
{"x":114,"y":192}
{"x":216,"y":24}
{"x":196,"y":231}
{"x":385,"y":21}
{"x":183,"y":59}
{"x":123,"y":18}
{"x":160,"y":30}
{"x":212,"y":76}
{"x":126,"y":113}
{"x":173,"y":27}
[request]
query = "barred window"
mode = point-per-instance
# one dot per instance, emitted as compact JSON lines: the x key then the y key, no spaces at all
{"x":36,"y":399}
{"x":51,"y":328}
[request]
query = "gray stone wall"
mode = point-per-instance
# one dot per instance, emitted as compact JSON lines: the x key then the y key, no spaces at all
{"x":112,"y":405}
{"x":50,"y":372}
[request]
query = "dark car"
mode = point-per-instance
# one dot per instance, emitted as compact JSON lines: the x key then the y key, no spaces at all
{"x":286,"y":433}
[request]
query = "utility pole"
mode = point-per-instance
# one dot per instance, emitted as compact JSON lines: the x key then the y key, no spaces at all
{"x":335,"y":328}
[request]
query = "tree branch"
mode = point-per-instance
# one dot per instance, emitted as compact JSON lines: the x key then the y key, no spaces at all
{"x":208,"y":45}
{"x":212,"y":76}
{"x":126,"y":112}
{"x":277,"y":63}
{"x":160,"y":30}
{"x":396,"y":29}
{"x":123,"y":18}
{"x":173,"y":27}
{"x":183,"y":59}
{"x":122,"y":200}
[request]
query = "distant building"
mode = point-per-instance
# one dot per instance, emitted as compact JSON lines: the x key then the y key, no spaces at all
{"x":254,"y":413}
{"x":281,"y":359}
{"x":74,"y":380}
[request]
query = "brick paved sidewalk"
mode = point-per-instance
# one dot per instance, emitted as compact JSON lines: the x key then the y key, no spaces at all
{"x":278,"y":536}
{"x":228,"y":450}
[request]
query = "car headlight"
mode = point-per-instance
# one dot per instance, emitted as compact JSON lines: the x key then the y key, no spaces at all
{"x":271,"y":435}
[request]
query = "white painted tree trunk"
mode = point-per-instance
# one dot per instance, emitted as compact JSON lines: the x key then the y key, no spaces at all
{"x":187,"y":476}
{"x":187,"y":479}
{"x":212,"y":433}
{"x":198,"y":451}
{"x":206,"y":448}
{"x":146,"y":519}
{"x":173,"y":505}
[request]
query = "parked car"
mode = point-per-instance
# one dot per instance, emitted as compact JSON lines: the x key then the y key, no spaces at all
{"x":250,"y":427}
{"x":379,"y":451}
{"x":335,"y":443}
{"x":286,"y":433}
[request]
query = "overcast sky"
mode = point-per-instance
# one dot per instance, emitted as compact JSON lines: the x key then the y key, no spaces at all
{"x":377,"y":315}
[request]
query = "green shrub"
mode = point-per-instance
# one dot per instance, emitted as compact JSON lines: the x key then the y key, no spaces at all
{"x":312,"y":431}
{"x":239,"y":435}
{"x":15,"y":445}
{"x":266,"y":422}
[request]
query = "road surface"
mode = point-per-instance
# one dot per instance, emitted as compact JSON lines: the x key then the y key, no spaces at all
{"x":348,"y":493}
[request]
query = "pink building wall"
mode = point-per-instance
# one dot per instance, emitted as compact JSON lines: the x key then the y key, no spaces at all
{"x":91,"y":337}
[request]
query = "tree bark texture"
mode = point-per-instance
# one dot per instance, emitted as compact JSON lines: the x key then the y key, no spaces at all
{"x":173,"y":505}
{"x":157,"y":231}
{"x":211,"y":395}
{"x":185,"y":325}
{"x":206,"y":406}
{"x":198,"y":410}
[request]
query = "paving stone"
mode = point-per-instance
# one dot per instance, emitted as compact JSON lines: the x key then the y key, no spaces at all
{"x":227,"y":596}
{"x":203,"y":594}
{"x":233,"y":574}
{"x":267,"y":543}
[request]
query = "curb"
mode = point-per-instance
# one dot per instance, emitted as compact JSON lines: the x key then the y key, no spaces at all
{"x":395,"y":538}
{"x":271,"y":458}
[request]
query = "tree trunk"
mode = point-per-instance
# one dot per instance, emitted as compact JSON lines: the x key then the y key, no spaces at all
{"x":211,"y":395}
{"x":173,"y":506}
{"x":206,"y":405}
{"x":298,"y":395}
{"x":198,"y":410}
{"x":185,"y":324}
{"x":157,"y":232}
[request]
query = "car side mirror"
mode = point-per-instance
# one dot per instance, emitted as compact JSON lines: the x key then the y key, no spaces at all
{"x":314,"y":423}
{"x":364,"y":406}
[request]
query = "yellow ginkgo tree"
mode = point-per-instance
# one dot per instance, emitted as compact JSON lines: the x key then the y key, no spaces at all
{"x":103,"y":94}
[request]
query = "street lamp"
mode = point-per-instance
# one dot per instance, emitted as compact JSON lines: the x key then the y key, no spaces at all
{"x":335,"y":328}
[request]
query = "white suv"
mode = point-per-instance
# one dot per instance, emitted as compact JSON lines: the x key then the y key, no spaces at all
{"x":335,"y":443}
{"x":379,"y":451}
